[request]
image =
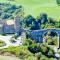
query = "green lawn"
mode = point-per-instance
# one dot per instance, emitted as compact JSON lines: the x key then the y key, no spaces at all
{"x":35,"y":7}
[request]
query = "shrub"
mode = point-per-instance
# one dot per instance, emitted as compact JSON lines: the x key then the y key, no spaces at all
{"x":28,"y":41}
{"x":45,"y":50}
{"x":38,"y":55}
{"x":51,"y":53}
{"x":33,"y":48}
{"x":4,"y":34}
{"x":2,"y":43}
{"x":12,"y":40}
{"x":58,"y":2}
{"x":9,"y":11}
{"x":20,"y":51}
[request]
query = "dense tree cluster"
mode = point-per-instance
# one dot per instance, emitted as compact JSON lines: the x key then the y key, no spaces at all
{"x":58,"y":2}
{"x":40,"y":50}
{"x":9,"y":10}
{"x":42,"y":22}
{"x":45,"y":50}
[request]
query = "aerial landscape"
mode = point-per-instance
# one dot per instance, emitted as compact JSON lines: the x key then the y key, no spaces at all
{"x":29,"y":29}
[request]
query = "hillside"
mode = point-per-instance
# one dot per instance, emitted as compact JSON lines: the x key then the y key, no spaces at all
{"x":35,"y":7}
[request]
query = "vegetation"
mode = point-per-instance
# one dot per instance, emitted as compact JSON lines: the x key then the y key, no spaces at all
{"x":58,"y":2}
{"x":9,"y":11}
{"x":2,"y":43}
{"x":12,"y":40}
{"x":30,"y":50}
{"x":47,"y":51}
{"x":51,"y":38}
{"x":28,"y":42}
{"x":42,"y":22}
{"x":21,"y":51}
{"x":35,"y":7}
{"x":33,"y":51}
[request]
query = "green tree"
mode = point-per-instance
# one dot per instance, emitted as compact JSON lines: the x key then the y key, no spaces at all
{"x":58,"y":2}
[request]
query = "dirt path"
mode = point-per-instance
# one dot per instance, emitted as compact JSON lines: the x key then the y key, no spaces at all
{"x":8,"y":58}
{"x":6,"y":39}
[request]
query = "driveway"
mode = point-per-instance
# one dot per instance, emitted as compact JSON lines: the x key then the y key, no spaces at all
{"x":6,"y":39}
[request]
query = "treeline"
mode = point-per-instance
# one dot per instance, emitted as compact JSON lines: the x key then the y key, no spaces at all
{"x":8,"y":11}
{"x":31,"y":23}
{"x":58,"y":2}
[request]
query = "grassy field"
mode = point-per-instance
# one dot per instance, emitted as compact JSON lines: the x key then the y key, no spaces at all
{"x":35,"y":7}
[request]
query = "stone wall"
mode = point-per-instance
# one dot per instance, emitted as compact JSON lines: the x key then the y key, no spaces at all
{"x":14,"y":28}
{"x":9,"y":29}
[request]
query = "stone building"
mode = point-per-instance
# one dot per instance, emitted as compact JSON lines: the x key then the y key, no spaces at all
{"x":10,"y":26}
{"x":17,"y":24}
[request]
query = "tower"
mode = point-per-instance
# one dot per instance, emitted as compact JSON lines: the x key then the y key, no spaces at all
{"x":17,"y":24}
{"x":2,"y":22}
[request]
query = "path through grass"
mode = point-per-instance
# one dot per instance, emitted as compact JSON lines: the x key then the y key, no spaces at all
{"x":8,"y":58}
